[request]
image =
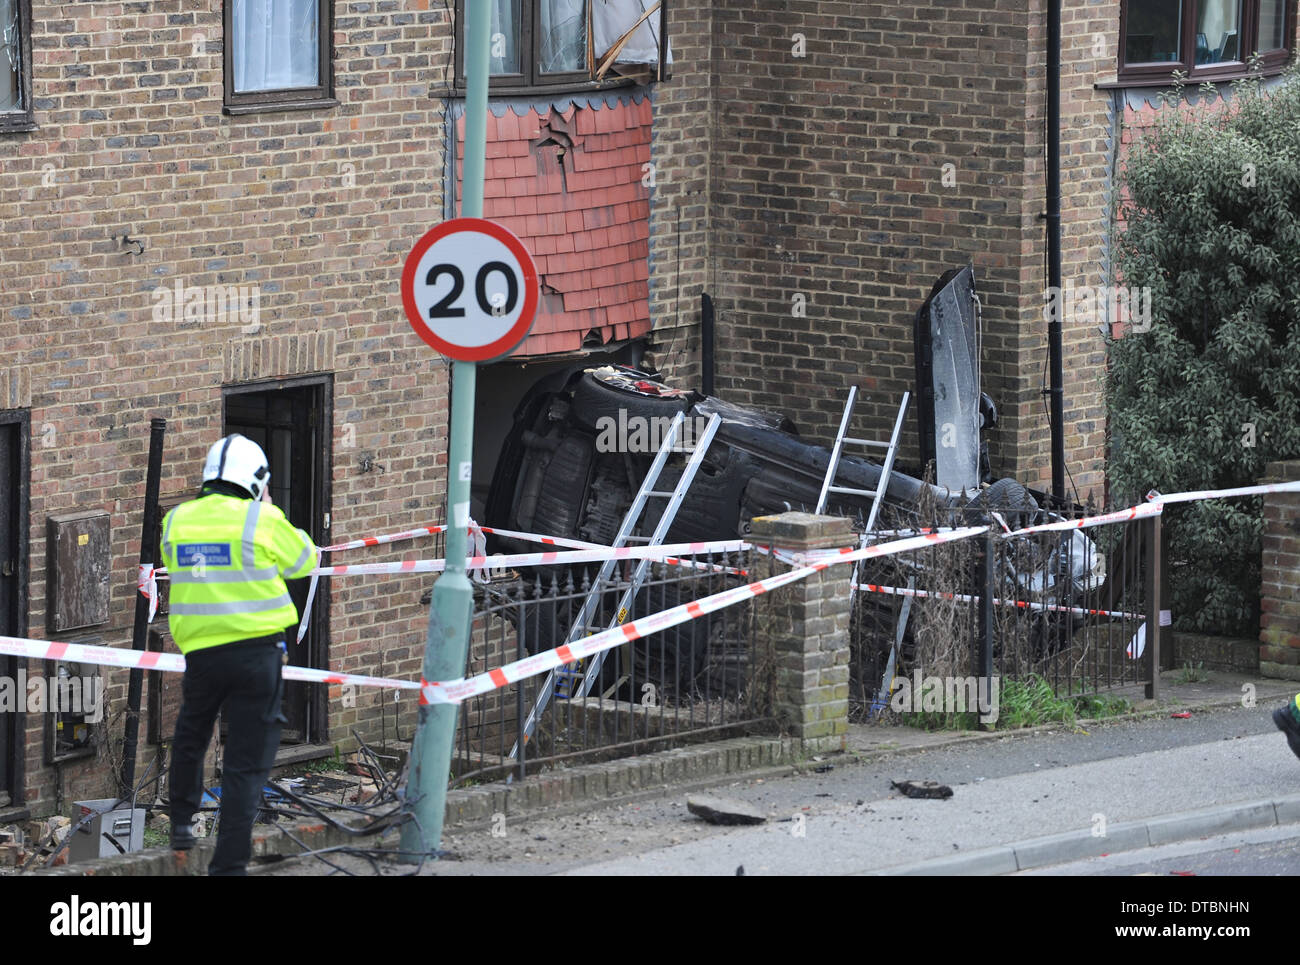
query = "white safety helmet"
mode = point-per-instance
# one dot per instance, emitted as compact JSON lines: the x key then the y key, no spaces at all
{"x":238,"y":460}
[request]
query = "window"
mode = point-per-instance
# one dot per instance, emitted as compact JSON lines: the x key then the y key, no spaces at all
{"x":1206,"y":39}
{"x":277,"y":55}
{"x":15,"y":66}
{"x":543,"y":43}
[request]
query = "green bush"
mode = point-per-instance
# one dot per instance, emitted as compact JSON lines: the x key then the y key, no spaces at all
{"x":1211,"y":201}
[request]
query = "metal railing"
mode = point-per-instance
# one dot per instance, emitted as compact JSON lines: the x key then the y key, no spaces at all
{"x":1071,"y":608}
{"x":701,"y":680}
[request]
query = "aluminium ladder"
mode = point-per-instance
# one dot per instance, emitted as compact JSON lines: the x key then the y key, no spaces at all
{"x":557,"y":682}
{"x":832,"y":467}
{"x":877,"y":497}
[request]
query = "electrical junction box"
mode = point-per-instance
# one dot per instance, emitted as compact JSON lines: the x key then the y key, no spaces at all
{"x":108,"y":832}
{"x":78,"y":570}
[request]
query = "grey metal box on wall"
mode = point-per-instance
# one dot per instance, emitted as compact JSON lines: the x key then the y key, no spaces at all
{"x":78,"y":569}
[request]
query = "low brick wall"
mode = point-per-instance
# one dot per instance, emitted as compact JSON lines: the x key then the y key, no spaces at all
{"x":1228,"y":654}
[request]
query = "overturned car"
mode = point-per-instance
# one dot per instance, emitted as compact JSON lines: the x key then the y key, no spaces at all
{"x":582,"y":442}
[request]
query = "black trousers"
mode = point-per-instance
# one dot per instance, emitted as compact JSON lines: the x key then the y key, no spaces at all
{"x":243,"y":681}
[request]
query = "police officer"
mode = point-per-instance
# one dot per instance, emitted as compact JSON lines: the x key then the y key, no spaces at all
{"x":1287,"y":720}
{"x":228,"y":553}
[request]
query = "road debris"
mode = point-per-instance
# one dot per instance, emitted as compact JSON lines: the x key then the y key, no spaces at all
{"x":923,"y":789}
{"x":720,"y":810}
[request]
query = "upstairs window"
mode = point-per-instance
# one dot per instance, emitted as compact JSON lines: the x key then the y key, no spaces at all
{"x":573,"y":43}
{"x":15,"y":66}
{"x":1205,"y":39}
{"x":277,"y":55}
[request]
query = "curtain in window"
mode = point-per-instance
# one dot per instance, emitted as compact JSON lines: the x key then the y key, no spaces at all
{"x":562,"y":45}
{"x":1217,"y":26}
{"x":11,"y":64}
{"x":503,"y":55}
{"x":276,"y":45}
{"x":610,"y":19}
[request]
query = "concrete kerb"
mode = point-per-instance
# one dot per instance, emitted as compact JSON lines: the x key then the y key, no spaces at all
{"x":1130,"y":836}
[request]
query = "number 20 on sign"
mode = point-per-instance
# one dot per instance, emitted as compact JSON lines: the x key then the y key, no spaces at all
{"x":469,"y":288}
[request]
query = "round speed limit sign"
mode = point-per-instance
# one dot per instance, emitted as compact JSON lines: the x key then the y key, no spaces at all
{"x":469,"y":288}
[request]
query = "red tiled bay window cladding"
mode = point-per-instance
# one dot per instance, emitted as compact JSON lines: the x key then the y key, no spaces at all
{"x":569,"y":184}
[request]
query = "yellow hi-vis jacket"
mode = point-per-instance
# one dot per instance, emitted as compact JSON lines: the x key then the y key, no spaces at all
{"x":227,"y":559}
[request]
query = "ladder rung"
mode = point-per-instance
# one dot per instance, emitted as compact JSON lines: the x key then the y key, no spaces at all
{"x":852,"y":492}
{"x":662,"y":495}
{"x":868,"y":442}
{"x":630,"y":538}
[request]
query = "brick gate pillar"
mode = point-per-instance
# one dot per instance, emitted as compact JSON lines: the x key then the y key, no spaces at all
{"x":807,"y":624}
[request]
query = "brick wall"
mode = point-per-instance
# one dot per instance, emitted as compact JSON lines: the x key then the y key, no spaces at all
{"x":1089,"y":47}
{"x":826,"y":179}
{"x":681,"y":230}
{"x":316,"y":208}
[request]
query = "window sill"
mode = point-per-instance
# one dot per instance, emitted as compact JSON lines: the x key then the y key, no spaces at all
{"x":1167,"y":80}
{"x":10,"y":127}
{"x":267,"y":107}
{"x":545,"y":90}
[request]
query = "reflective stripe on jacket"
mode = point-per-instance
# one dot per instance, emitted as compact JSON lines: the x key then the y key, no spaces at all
{"x":227,"y":559}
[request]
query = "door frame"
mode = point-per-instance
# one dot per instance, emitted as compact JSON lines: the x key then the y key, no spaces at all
{"x":318,"y":631}
{"x":16,"y":725}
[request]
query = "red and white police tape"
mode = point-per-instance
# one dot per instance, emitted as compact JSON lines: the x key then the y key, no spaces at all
{"x":549,"y":558}
{"x":173,"y":662}
{"x":1022,"y":604}
{"x":458,"y":690}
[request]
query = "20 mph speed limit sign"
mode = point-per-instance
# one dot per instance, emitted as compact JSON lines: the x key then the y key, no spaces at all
{"x":469,"y":288}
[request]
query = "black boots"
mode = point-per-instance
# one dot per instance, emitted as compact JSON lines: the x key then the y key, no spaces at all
{"x":182,"y":837}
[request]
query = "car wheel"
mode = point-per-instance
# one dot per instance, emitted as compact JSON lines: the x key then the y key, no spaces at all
{"x":616,"y":396}
{"x":1007,"y":498}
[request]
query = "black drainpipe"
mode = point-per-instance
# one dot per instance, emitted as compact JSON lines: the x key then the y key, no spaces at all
{"x":1054,"y":351}
{"x":706,"y":344}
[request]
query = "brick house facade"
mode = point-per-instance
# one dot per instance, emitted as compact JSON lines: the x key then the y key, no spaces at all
{"x":845,"y":152}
